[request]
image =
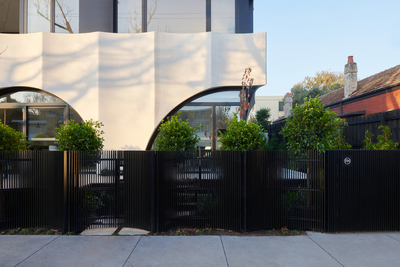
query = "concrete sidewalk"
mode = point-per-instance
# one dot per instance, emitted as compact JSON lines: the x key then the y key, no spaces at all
{"x":316,"y":249}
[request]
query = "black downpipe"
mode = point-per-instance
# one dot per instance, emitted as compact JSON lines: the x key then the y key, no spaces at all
{"x":115,"y":16}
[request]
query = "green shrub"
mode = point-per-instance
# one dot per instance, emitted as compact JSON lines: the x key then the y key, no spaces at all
{"x":80,"y":137}
{"x":275,"y":144}
{"x":384,"y":141}
{"x":176,"y":135}
{"x":311,"y":127}
{"x":242,"y":136}
{"x":11,"y":139}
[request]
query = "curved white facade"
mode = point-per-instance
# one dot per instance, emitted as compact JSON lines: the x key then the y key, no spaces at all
{"x":130,"y":82}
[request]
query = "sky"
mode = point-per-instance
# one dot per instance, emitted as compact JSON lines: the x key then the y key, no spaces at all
{"x":308,"y":36}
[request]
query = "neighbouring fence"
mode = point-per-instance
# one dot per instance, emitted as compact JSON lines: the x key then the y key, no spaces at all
{"x":243,"y":191}
{"x":354,"y":133}
{"x":357,"y":126}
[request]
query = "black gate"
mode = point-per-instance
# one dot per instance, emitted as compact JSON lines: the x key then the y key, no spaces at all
{"x":363,"y":190}
{"x":284,"y":189}
{"x":199,"y":190}
{"x":95,"y":189}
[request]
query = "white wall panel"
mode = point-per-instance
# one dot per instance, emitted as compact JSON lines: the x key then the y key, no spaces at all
{"x":129,"y":81}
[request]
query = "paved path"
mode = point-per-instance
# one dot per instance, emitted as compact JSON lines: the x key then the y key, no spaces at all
{"x":316,"y":249}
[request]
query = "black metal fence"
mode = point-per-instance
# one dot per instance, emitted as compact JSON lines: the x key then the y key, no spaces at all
{"x":241,"y":191}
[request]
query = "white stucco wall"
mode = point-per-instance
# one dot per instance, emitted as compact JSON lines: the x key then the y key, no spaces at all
{"x":129,"y":81}
{"x":271,"y":102}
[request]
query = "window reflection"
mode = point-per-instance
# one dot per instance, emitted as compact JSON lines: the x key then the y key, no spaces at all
{"x":29,"y":97}
{"x":38,"y":16}
{"x":199,"y":116}
{"x":12,"y":118}
{"x":42,"y":123}
{"x":228,"y":96}
{"x":66,"y":16}
{"x":177,"y":16}
{"x":223,"y":16}
{"x":130,"y":16}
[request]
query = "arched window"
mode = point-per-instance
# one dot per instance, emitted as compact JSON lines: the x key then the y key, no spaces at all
{"x":211,"y":112}
{"x":37,"y":115}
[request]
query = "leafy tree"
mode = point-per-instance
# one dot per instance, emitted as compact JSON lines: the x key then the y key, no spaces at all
{"x":384,"y":141}
{"x":11,"y":139}
{"x":242,"y":136}
{"x":176,"y":135}
{"x":86,"y":136}
{"x":323,"y":83}
{"x":311,"y":127}
{"x":262,"y":117}
{"x":299,"y":93}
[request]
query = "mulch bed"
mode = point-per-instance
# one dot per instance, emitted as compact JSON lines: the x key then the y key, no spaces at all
{"x":174,"y":232}
{"x":209,"y":231}
{"x":30,"y":231}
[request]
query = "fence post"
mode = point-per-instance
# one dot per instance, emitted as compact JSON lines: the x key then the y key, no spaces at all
{"x":154,"y":193}
{"x":117,"y":164}
{"x":66,"y":206}
{"x":244,"y":195}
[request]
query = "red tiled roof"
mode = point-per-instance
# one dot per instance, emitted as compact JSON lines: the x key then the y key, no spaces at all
{"x":332,"y":97}
{"x":389,"y":77}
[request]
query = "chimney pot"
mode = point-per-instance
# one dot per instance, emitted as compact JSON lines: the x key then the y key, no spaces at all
{"x":350,"y":59}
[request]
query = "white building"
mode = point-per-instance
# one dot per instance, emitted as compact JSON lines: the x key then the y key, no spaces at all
{"x":274,"y":103}
{"x":117,"y":71}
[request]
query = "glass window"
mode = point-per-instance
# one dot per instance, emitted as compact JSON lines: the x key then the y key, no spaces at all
{"x":9,"y":16}
{"x":223,"y":16}
{"x":224,"y":114}
{"x":280,"y":105}
{"x":229,"y":96}
{"x":28,"y":97}
{"x":201,"y":118}
{"x":42,"y":123}
{"x":13,"y":118}
{"x":178,"y":16}
{"x":44,"y":114}
{"x":38,"y":16}
{"x":130,"y":16}
{"x":66,"y":16}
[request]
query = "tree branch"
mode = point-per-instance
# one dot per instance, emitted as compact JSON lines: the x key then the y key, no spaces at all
{"x":68,"y":25}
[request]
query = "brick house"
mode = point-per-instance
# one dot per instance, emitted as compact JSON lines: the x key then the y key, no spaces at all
{"x":374,"y":94}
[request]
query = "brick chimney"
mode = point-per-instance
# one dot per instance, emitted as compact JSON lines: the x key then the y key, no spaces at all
{"x":287,"y":105}
{"x":350,"y":77}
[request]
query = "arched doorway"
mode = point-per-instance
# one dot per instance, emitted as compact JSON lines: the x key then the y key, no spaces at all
{"x":35,"y":113}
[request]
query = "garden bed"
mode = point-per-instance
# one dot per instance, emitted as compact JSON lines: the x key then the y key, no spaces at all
{"x":30,"y":231}
{"x":209,"y":231}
